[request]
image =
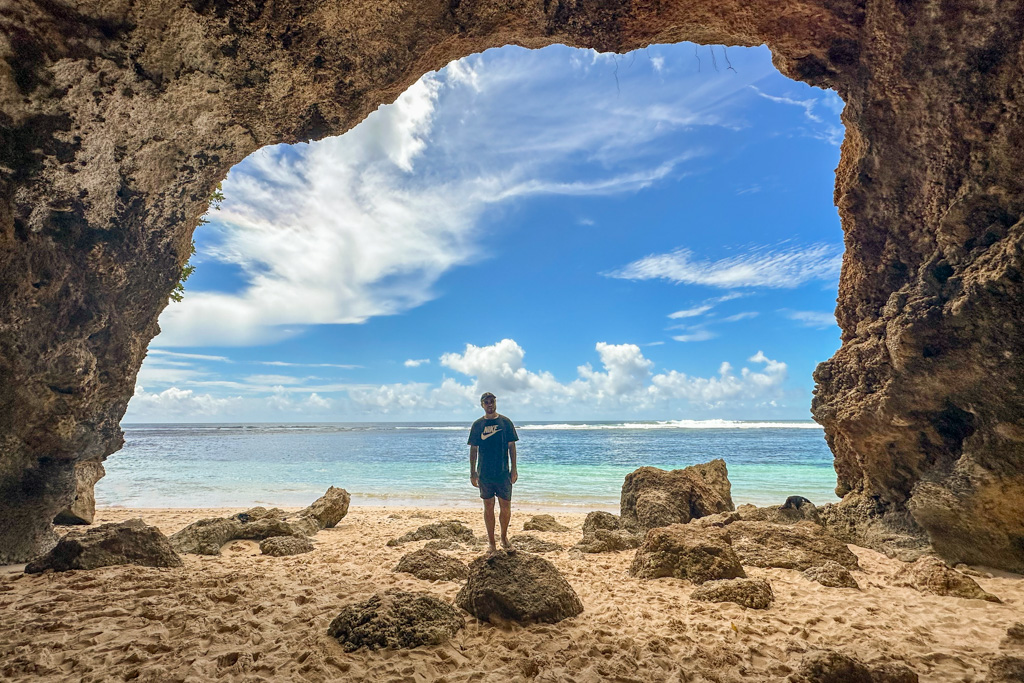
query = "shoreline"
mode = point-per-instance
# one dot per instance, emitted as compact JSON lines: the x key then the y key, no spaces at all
{"x":243,"y":616}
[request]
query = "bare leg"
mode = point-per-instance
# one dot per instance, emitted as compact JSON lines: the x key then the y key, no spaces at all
{"x":504,"y":516}
{"x":489,"y":522}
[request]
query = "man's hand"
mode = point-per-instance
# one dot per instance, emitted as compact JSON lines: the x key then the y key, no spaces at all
{"x":513,"y":475}
{"x":474,"y":479}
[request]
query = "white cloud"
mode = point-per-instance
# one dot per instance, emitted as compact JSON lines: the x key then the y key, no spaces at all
{"x":816,"y":319}
{"x":695,"y":335}
{"x":416,"y":362}
{"x":822,"y":131}
{"x":284,"y":364}
{"x":282,"y":401}
{"x":690,"y":312}
{"x":179,"y":402}
{"x":658,"y":63}
{"x":191,"y":356}
{"x":746,"y":315}
{"x":760,"y":267}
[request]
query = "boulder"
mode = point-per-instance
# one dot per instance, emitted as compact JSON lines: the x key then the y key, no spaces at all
{"x":430,"y":565}
{"x":257,"y":513}
{"x":932,"y":575}
{"x":720,"y":520}
{"x":279,"y":546}
{"x":265,"y":528}
{"x":443,"y":544}
{"x":532,"y":544}
{"x":752,"y":593}
{"x":396,"y":619}
{"x":795,"y":509}
{"x":1015,"y":634}
{"x":606,"y":541}
{"x":517,"y":587}
{"x":448,"y":529}
{"x":206,"y":536}
{"x":83,"y":508}
{"x":1006,"y":669}
{"x":830,"y":666}
{"x":131,"y":542}
{"x":687,"y":552}
{"x":328,"y":509}
{"x":544,"y":523}
{"x":788,"y":546}
{"x":655,"y":498}
{"x":599,"y":519}
{"x":832,"y":574}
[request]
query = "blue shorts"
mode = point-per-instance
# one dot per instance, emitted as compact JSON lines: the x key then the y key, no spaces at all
{"x":502,"y":489}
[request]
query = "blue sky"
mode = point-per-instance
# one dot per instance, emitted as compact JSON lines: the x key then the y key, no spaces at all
{"x":589,"y":236}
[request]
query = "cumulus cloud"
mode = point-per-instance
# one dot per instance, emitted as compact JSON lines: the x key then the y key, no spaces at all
{"x":760,"y":267}
{"x":179,"y":402}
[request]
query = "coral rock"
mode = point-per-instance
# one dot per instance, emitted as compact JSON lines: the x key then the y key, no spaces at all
{"x":832,"y":574}
{"x":517,"y":587}
{"x":396,"y":619}
{"x":599,"y":519}
{"x":83,"y":508}
{"x":829,"y":666}
{"x":932,"y":575}
{"x":685,"y":551}
{"x":653,"y":498}
{"x":605,"y":541}
{"x":131,"y":542}
{"x":430,"y":565}
{"x":448,"y":529}
{"x":788,"y":546}
{"x":279,"y":546}
{"x":544,"y":523}
{"x":752,"y":593}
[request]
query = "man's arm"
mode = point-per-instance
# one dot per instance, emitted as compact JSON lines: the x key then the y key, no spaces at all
{"x":512,"y":457}
{"x":474,"y":478}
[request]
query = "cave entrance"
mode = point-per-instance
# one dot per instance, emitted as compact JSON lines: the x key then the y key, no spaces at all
{"x":671,"y":206}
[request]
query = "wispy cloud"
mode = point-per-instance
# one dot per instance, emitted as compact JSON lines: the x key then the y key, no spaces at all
{"x":821,"y":130}
{"x":816,"y":319}
{"x":191,"y":356}
{"x":695,"y":335}
{"x":416,"y":362}
{"x":760,"y":267}
{"x":284,"y":364}
{"x":746,"y":315}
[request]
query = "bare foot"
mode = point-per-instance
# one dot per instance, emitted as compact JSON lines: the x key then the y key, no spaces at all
{"x":506,"y":545}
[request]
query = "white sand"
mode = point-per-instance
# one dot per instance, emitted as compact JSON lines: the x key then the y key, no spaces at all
{"x":246,"y":617}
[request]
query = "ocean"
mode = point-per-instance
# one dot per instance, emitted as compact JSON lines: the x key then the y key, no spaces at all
{"x":563,"y":466}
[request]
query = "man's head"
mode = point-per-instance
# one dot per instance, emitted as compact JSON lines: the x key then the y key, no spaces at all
{"x":488,"y":401}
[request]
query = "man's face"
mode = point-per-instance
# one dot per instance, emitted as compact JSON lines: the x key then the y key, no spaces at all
{"x":489,"y":404}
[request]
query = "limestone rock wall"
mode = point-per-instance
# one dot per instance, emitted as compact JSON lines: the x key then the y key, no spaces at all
{"x":119,"y":117}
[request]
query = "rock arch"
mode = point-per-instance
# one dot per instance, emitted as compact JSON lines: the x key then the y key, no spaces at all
{"x":118,"y":118}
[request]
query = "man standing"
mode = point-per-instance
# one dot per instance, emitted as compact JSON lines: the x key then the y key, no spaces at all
{"x":493,"y":438}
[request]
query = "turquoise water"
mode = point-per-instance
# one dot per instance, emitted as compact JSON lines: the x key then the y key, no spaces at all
{"x":567,"y":466}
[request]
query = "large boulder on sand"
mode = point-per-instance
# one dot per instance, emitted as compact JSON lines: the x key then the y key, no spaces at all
{"x":131,"y":542}
{"x":281,"y":546}
{"x":932,"y":575}
{"x":599,"y":519}
{"x":83,"y":508}
{"x":793,"y":546}
{"x":833,"y":575}
{"x":206,"y":536}
{"x":606,"y":541}
{"x":544,"y":523}
{"x":517,"y":587}
{"x":328,"y":509}
{"x":686,"y":551}
{"x":430,"y":565}
{"x":396,"y":619}
{"x":752,"y":593}
{"x":830,"y":666}
{"x":654,"y":498}
{"x":448,"y":529}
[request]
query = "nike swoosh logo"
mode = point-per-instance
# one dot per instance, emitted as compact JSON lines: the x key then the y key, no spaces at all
{"x":487,"y":436}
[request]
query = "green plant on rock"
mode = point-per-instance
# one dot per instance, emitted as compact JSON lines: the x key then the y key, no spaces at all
{"x":178,"y":293}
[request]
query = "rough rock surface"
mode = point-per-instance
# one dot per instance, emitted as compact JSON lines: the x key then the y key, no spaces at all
{"x":869,"y":523}
{"x":328,"y":509}
{"x":752,"y":593}
{"x":280,"y":546}
{"x":544,"y":523}
{"x":206,"y":536}
{"x":832,"y":574}
{"x":448,"y":529}
{"x":795,"y":509}
{"x":605,"y":541}
{"x":599,"y":519}
{"x":652,"y":497}
{"x":1015,"y":634}
{"x":119,"y":119}
{"x":517,"y":587}
{"x":83,"y":508}
{"x":788,"y":546}
{"x":829,"y":666}
{"x":396,"y":619}
{"x":430,"y":565}
{"x":131,"y":542}
{"x":685,"y":551}
{"x":443,"y":544}
{"x":1005,"y":669}
{"x":931,"y":575}
{"x":532,"y":544}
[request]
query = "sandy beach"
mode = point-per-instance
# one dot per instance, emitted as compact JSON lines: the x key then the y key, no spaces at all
{"x":247,"y":617}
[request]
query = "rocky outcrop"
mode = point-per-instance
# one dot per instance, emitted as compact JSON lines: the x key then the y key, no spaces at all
{"x":685,"y":551}
{"x":396,"y":619}
{"x":517,"y":587}
{"x":1005,"y":669}
{"x":328,"y":509}
{"x":281,"y":546}
{"x":931,"y":575}
{"x":652,"y":497}
{"x":605,"y":541}
{"x":131,"y":542}
{"x":532,"y":544}
{"x":451,"y":529}
{"x":83,"y":508}
{"x":795,"y":509}
{"x":831,"y":574}
{"x":544,"y":523}
{"x":752,"y":593}
{"x":830,"y":666}
{"x":430,"y":565}
{"x":788,"y":546}
{"x":119,"y":119}
{"x":599,"y":519}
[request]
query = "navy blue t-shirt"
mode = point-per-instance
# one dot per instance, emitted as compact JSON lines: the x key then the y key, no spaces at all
{"x":492,"y":437}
